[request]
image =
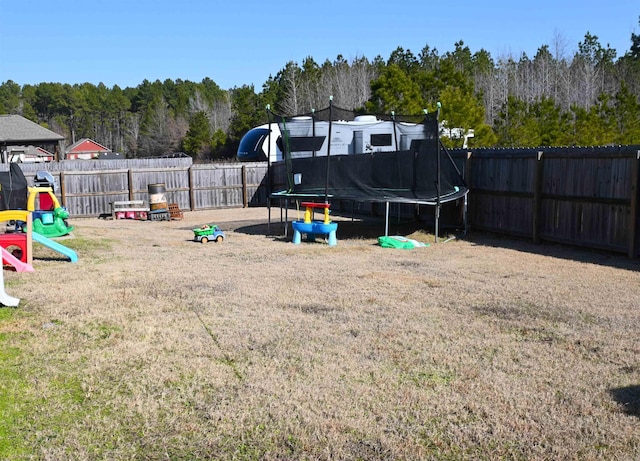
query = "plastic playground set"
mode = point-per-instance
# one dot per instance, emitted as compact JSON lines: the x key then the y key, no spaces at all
{"x":312,"y":227}
{"x":28,"y":221}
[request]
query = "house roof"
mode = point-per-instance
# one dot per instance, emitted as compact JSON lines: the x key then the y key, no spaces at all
{"x":15,"y":129}
{"x":86,"y":145}
{"x":29,"y":150}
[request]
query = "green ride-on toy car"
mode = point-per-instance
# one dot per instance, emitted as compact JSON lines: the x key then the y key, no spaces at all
{"x":208,"y":232}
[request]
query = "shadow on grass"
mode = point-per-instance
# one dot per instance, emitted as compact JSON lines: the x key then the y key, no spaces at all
{"x":357,"y":228}
{"x":629,"y":398}
{"x":555,"y":250}
{"x":63,"y":259}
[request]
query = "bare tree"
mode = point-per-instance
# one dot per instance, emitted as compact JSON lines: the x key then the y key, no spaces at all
{"x":349,"y":84}
{"x":132,"y":132}
{"x":221,"y":115}
{"x":290,"y":81}
{"x":218,"y":113}
{"x":155,"y":138}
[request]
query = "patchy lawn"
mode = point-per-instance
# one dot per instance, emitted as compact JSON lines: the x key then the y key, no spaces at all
{"x":153,"y":346}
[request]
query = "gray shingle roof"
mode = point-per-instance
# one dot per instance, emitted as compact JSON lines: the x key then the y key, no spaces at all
{"x":15,"y":129}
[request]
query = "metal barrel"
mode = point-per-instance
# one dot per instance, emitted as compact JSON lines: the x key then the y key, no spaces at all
{"x":157,"y":197}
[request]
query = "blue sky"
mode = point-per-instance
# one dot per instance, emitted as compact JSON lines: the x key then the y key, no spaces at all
{"x":123,"y":42}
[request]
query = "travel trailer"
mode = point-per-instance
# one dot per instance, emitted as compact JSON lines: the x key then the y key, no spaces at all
{"x":308,"y":138}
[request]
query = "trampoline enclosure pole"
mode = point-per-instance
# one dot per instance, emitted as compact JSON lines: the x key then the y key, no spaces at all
{"x":269,"y":168}
{"x":313,"y":127}
{"x":386,"y":220}
{"x":438,"y":170}
{"x":326,"y":180}
{"x":395,"y":132}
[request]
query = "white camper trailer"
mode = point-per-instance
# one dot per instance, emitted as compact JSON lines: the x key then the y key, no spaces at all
{"x":308,"y":138}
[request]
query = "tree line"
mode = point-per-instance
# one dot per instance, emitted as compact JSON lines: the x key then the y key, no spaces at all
{"x":590,"y":96}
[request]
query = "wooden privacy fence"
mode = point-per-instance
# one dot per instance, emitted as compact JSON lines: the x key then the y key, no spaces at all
{"x":579,"y":196}
{"x":90,"y":192}
{"x":573,"y":195}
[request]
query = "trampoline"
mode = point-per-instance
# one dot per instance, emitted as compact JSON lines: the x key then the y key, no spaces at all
{"x":422,"y":173}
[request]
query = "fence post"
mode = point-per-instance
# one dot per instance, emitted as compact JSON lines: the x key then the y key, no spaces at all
{"x":467,"y":179}
{"x":537,"y":196}
{"x":130,"y":185}
{"x":633,"y":221}
{"x":63,"y":193}
{"x":244,"y":187}
{"x":192,"y":202}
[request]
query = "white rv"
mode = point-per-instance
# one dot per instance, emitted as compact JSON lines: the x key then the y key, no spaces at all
{"x":304,"y":138}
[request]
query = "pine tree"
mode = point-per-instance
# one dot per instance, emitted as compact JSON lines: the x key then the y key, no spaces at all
{"x":197,"y":142}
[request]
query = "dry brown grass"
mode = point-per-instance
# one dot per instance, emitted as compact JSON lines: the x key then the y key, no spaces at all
{"x":153,"y":346}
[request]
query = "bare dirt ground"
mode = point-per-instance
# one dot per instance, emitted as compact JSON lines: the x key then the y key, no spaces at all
{"x":154,"y":346}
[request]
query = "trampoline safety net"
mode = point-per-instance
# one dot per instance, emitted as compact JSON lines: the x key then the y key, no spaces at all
{"x":337,"y":153}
